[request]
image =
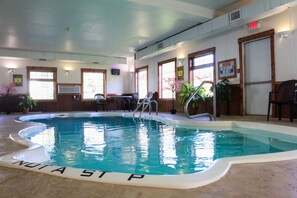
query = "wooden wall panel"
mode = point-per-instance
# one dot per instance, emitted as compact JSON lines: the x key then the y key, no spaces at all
{"x":68,"y":103}
{"x":235,"y":100}
{"x":164,"y":105}
{"x":65,"y":103}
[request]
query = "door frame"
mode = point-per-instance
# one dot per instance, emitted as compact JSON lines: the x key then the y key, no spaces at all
{"x":241,"y":42}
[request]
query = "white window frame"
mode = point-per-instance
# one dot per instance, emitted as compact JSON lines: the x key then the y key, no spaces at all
{"x":164,"y":79}
{"x":54,"y":80}
{"x":143,"y":90}
{"x":202,"y":66}
{"x":101,"y":71}
{"x":193,"y":68}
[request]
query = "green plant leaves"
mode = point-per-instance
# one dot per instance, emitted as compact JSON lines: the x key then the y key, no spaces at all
{"x":187,"y":90}
{"x":27,"y":102}
{"x":223,"y":91}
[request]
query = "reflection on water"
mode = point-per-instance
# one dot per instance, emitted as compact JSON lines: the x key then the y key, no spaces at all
{"x":122,"y":145}
{"x":167,"y":146}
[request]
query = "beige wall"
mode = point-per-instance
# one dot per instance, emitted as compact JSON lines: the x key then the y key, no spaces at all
{"x":227,"y":47}
{"x":115,"y":84}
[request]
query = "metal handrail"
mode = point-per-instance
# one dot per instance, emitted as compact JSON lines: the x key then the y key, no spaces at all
{"x":146,"y":102}
{"x":193,"y":95}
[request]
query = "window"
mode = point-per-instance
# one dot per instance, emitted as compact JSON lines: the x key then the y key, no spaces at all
{"x":166,"y":77}
{"x":201,"y":67}
{"x":141,"y":84}
{"x":42,"y":82}
{"x":93,"y":82}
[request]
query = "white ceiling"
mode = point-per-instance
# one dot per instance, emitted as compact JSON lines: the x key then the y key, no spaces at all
{"x":100,"y":27}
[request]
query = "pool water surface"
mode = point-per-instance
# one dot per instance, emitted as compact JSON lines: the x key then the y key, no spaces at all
{"x":125,"y":145}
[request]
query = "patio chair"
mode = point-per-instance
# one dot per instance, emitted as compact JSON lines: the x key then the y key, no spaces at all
{"x":131,"y":103}
{"x":100,"y":101}
{"x":285,"y":94}
{"x":144,"y":103}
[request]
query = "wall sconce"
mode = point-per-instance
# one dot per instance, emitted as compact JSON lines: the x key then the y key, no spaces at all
{"x":285,"y":34}
{"x":11,"y":70}
{"x":67,"y":72}
{"x":131,"y":69}
{"x":180,"y":61}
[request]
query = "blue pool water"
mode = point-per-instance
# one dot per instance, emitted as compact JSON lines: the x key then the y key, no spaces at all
{"x":119,"y":144}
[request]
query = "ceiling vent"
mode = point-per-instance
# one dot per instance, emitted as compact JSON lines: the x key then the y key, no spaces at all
{"x":160,"y":46}
{"x":235,"y":15}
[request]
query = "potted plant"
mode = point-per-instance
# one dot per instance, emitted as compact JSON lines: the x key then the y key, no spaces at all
{"x":223,"y":94}
{"x":26,"y":103}
{"x":173,"y":86}
{"x":186,"y":91}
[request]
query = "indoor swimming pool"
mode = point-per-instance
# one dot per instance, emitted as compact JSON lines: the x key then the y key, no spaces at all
{"x":127,"y":145}
{"x":154,"y":151}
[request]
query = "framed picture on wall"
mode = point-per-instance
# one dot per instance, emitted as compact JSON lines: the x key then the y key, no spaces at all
{"x":180,"y":73}
{"x":18,"y":80}
{"x":227,"y":68}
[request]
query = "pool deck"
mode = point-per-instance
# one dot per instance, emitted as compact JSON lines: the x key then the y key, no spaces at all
{"x":271,"y":179}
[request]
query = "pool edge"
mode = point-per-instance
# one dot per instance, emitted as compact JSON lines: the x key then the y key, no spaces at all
{"x":218,"y":169}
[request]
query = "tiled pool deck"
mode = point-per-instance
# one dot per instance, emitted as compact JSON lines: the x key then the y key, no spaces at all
{"x":272,"y":179}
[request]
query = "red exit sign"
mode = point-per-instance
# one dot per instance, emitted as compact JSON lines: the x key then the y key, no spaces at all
{"x":254,"y":25}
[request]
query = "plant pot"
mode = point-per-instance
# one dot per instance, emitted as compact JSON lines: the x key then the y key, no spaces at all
{"x":218,"y":114}
{"x":173,"y":111}
{"x":192,"y":111}
{"x":26,"y":111}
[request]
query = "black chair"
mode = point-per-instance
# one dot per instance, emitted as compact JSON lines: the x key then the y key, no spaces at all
{"x":285,"y":95}
{"x":100,"y":101}
{"x":130,"y":103}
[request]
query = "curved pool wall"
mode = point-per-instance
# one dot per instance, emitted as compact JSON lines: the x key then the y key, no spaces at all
{"x":34,"y":155}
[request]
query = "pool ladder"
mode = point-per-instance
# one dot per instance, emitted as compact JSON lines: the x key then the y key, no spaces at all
{"x":145,"y":103}
{"x":201,"y":114}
